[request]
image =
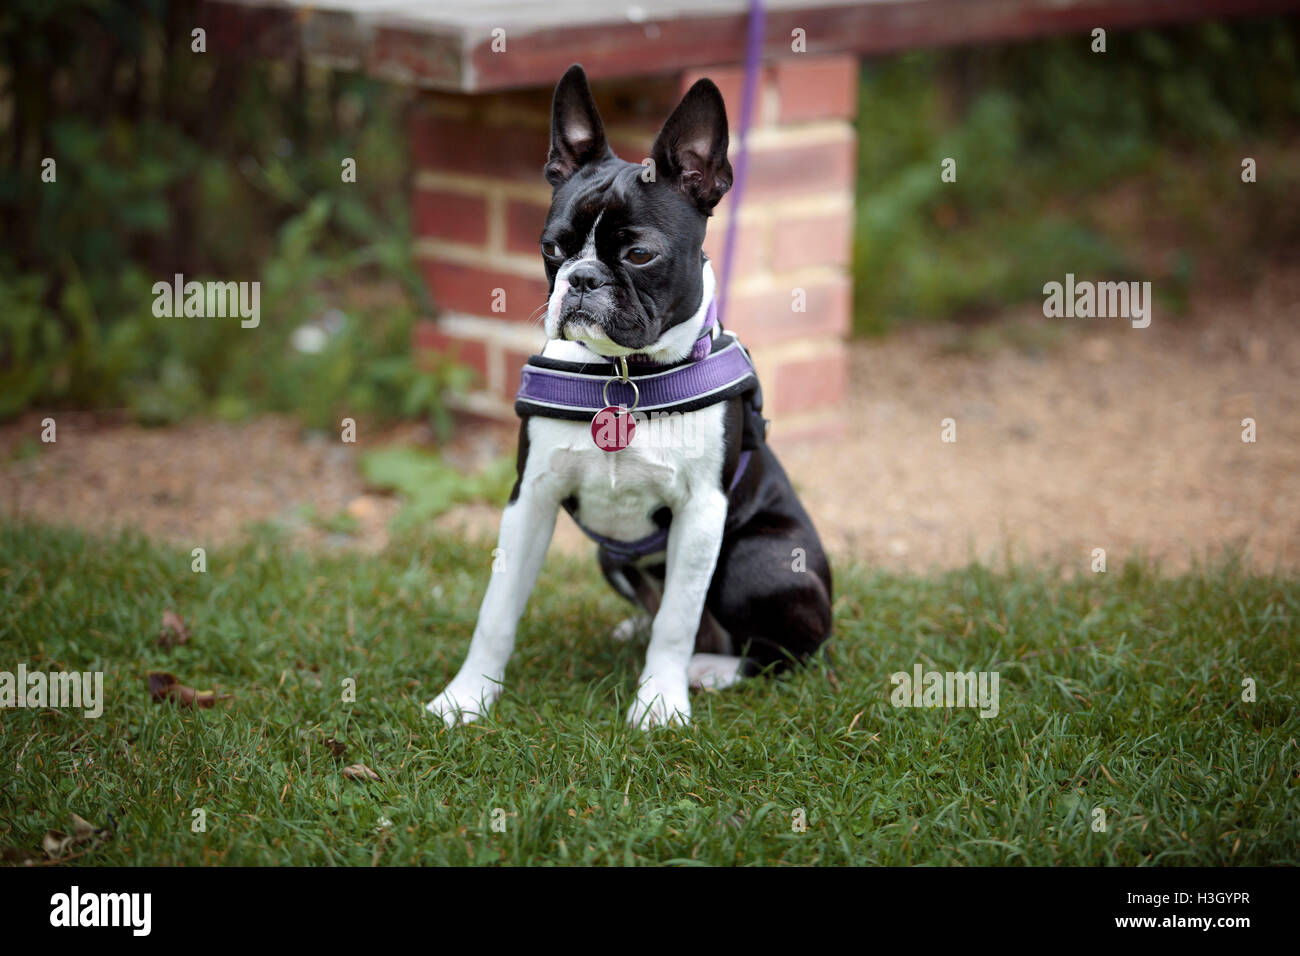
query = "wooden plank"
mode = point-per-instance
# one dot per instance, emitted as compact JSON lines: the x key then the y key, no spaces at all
{"x":448,"y":45}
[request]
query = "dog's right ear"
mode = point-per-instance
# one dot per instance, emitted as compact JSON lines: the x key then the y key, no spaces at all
{"x":577,"y":135}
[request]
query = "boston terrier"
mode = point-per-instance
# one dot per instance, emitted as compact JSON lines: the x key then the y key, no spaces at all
{"x":696,"y":524}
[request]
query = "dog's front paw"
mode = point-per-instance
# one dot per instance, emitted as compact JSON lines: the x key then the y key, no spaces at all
{"x":660,"y":702}
{"x":464,"y":701}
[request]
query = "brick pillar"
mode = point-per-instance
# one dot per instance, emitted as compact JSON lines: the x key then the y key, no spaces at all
{"x":480,"y":202}
{"x":794,"y":236}
{"x":478,"y":163}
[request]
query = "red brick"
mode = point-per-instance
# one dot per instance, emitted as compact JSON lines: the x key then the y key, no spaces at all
{"x":805,"y":168}
{"x":440,"y":214}
{"x":765,"y":318}
{"x":806,"y":385}
{"x":730,"y":81}
{"x":479,"y":135}
{"x":634,"y":149}
{"x":524,"y":222}
{"x":535,"y":100}
{"x":640,"y":103}
{"x":450,"y":144}
{"x":512,"y":362}
{"x":750,"y":250}
{"x":468,"y":289}
{"x":821,"y":88}
{"x":429,"y":337}
{"x":814,"y":240}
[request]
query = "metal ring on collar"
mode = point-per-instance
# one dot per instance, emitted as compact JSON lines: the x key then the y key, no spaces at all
{"x":636,"y":392}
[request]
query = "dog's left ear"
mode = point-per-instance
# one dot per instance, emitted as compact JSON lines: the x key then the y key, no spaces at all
{"x":577,"y":134}
{"x":690,"y":152}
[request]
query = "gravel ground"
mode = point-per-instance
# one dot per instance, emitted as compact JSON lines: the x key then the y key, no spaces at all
{"x":1072,"y":434}
{"x":1117,"y":438}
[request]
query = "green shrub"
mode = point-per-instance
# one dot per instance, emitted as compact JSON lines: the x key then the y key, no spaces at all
{"x":430,"y":485}
{"x":1042,"y":133}
{"x":219,"y":168}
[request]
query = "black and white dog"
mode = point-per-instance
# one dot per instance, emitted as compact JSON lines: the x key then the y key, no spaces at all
{"x":707,"y":536}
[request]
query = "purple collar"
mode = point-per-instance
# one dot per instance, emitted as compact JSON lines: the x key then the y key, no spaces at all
{"x":578,"y":390}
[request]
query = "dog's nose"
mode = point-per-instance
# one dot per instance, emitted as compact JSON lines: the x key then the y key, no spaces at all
{"x":586,"y":278}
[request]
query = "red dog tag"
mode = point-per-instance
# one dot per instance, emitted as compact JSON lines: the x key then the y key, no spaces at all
{"x":612,"y":428}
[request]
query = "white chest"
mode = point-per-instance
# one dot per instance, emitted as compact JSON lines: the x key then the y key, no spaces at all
{"x":619,"y":492}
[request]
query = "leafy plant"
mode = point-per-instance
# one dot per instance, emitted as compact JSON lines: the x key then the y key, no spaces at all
{"x":217,"y":168}
{"x":1043,"y":134}
{"x":430,"y":485}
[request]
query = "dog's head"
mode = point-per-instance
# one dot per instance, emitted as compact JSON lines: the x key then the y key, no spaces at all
{"x":623,"y":241}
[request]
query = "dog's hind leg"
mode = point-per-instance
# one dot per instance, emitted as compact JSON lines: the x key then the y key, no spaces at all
{"x":631,"y":628}
{"x":639,"y":587}
{"x":714,"y":671}
{"x":776,"y":610}
{"x":714,"y":665}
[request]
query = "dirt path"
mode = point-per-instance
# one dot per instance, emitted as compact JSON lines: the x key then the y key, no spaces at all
{"x":1072,"y":434}
{"x":1118,"y":438}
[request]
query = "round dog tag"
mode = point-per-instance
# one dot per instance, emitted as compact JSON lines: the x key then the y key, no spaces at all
{"x":612,"y":428}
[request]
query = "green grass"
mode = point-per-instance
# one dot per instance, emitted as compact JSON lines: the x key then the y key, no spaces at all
{"x":1120,"y":691}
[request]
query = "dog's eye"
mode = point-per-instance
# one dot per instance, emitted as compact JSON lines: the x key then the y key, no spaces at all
{"x":551,"y":250}
{"x":639,"y":256}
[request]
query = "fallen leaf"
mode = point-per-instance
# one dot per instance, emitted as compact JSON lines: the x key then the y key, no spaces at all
{"x":58,"y":844}
{"x":164,"y":686}
{"x":16,"y":856}
{"x":173,"y":631}
{"x":55,"y":844}
{"x":359,"y":771}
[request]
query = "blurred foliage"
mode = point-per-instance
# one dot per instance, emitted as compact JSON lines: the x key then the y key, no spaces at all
{"x":430,"y":485}
{"x":223,"y":167}
{"x":218,"y":167}
{"x":1074,"y":161}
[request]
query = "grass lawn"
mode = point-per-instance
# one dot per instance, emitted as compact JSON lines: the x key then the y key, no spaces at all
{"x":1119,"y":691}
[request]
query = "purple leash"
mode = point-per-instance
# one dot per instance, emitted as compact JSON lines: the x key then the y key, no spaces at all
{"x":753,"y":56}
